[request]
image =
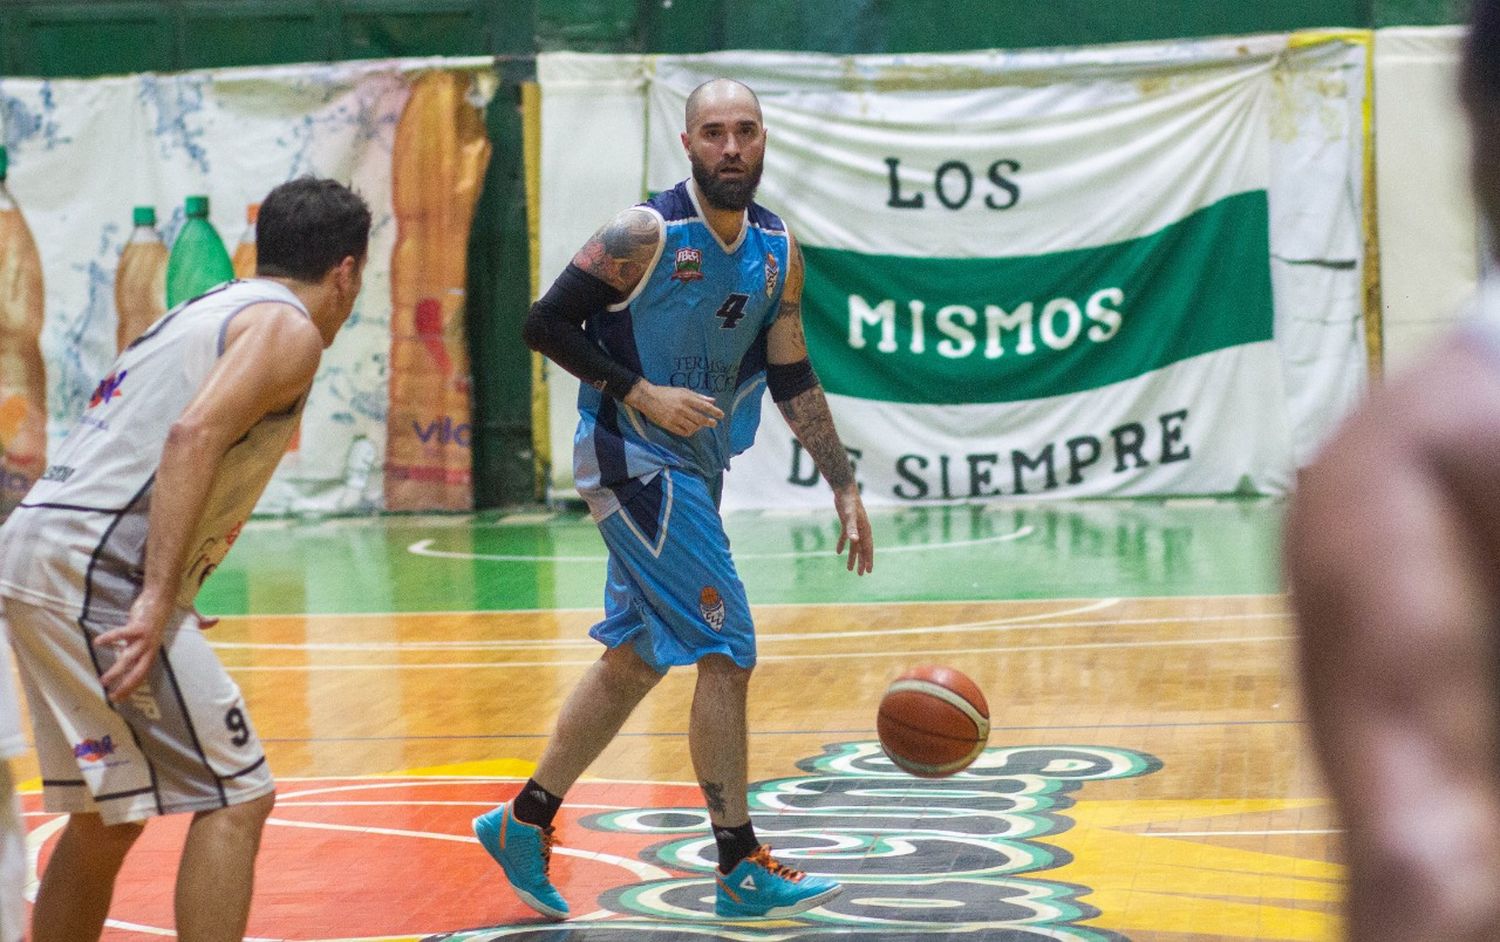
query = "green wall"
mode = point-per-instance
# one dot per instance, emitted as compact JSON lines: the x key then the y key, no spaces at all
{"x":99,"y":37}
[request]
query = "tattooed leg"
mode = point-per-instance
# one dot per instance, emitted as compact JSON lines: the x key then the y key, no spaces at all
{"x":717,"y":737}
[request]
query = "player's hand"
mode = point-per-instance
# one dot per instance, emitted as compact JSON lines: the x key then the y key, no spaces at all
{"x":134,"y":646}
{"x":854,"y":529}
{"x":679,"y":411}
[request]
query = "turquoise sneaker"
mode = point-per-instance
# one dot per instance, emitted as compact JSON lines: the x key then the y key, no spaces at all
{"x":524,"y":852}
{"x":760,"y":886}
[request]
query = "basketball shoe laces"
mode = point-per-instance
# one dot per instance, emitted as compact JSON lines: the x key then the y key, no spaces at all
{"x":763,"y":857}
{"x":549,"y":840}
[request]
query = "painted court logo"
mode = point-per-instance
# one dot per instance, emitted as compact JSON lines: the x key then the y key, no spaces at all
{"x":93,"y":750}
{"x":965,"y":857}
{"x":689,"y":266}
{"x":711,"y":607}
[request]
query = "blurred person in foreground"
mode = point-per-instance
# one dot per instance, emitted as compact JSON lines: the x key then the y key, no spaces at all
{"x":1392,"y":554}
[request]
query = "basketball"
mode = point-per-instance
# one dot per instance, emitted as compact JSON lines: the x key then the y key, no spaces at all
{"x":933,"y":721}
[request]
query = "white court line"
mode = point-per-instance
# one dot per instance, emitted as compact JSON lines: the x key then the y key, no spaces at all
{"x":640,"y":868}
{"x":284,"y":803}
{"x":424,"y":548}
{"x":853,"y":603}
{"x":1015,"y":623}
{"x":1011,"y":649}
{"x":1237,"y":833}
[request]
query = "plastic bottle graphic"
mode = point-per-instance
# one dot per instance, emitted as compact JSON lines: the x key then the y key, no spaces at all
{"x":437,"y":168}
{"x":244,"y":253}
{"x":359,"y":467}
{"x":23,"y":376}
{"x":198,"y":260}
{"x":141,"y":280}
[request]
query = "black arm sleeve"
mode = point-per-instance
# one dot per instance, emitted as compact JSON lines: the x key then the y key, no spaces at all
{"x":554,"y":328}
{"x":788,"y":380}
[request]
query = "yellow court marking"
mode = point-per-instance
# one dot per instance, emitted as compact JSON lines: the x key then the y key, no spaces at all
{"x":479,"y":768}
{"x":1164,"y":884}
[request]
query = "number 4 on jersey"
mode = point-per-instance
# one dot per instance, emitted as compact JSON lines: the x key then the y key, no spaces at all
{"x":732,"y":310}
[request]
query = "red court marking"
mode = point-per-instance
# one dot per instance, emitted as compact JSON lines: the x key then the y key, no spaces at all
{"x":314,"y":884}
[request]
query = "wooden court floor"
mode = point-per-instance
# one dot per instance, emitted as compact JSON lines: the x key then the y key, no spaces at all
{"x":1146,"y":778}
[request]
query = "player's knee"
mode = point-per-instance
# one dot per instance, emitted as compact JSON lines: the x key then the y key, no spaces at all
{"x":110,"y":840}
{"x":627,"y":669}
{"x":259,"y":809}
{"x":247,"y":815}
{"x":723,"y":668}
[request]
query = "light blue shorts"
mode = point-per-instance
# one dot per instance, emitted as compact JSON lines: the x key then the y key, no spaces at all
{"x":672,"y":590}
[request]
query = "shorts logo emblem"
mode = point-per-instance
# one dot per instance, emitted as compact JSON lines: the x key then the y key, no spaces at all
{"x":711,"y":605}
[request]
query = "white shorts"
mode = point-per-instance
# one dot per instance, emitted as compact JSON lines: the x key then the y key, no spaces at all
{"x":12,"y":741}
{"x":181,"y":742}
{"x":12,"y":861}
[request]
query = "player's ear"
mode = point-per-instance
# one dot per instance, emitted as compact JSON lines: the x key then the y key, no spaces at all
{"x":346,"y":273}
{"x":685,"y":139}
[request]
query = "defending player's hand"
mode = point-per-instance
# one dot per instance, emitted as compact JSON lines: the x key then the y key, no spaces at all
{"x":855,"y":529}
{"x":679,"y":411}
{"x":134,"y":646}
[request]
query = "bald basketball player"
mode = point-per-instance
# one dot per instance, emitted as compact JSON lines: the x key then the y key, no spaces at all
{"x":700,"y":275}
{"x":1393,"y":559}
{"x":133,"y":715}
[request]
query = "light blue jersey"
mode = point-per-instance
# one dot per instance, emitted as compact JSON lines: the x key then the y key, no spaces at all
{"x":698,"y":319}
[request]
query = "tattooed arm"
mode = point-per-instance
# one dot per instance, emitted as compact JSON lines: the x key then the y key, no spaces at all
{"x":620,"y":253}
{"x":799,"y":395}
{"x":609,"y":267}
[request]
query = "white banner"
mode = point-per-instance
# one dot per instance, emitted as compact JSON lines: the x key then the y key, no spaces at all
{"x":1017,"y":260}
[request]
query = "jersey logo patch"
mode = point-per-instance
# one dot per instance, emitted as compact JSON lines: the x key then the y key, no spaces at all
{"x":773,"y":272}
{"x":689,"y":265}
{"x":92,"y":750}
{"x":108,"y":388}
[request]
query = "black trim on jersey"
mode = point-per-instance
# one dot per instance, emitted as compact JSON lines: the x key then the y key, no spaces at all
{"x":131,"y":794}
{"x":167,"y":318}
{"x":64,"y":782}
{"x":130,"y":727}
{"x":78,"y":507}
{"x":224,"y":327}
{"x":245,"y":771}
{"x":88,"y":574}
{"x":755,"y":359}
{"x":645,"y":507}
{"x":88,"y":598}
{"x":187,"y":718}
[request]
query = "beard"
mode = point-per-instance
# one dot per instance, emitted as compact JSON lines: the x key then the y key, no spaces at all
{"x":724,"y":193}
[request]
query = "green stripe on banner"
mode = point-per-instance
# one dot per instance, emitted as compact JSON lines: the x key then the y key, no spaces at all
{"x":968,"y":330}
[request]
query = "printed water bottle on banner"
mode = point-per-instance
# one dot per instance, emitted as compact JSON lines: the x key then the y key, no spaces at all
{"x":23,"y":376}
{"x":199,"y":260}
{"x":244,"y":253}
{"x":141,"y":280}
{"x":437,"y":168}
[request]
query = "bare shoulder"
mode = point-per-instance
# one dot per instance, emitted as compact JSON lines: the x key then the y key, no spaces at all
{"x":277,"y":329}
{"x":620,"y":252}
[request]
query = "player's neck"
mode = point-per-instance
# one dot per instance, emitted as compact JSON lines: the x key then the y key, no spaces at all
{"x":726,"y":223}
{"x":317,"y":297}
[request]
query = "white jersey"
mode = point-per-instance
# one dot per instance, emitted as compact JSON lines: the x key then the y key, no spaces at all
{"x":78,"y":539}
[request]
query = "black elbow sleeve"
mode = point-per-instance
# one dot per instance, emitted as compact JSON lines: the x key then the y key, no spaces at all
{"x":789,"y":380}
{"x":534,"y":329}
{"x":554,"y":328}
{"x":575,"y":297}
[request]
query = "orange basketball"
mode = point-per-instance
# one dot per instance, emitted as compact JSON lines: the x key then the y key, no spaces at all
{"x":933,"y":721}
